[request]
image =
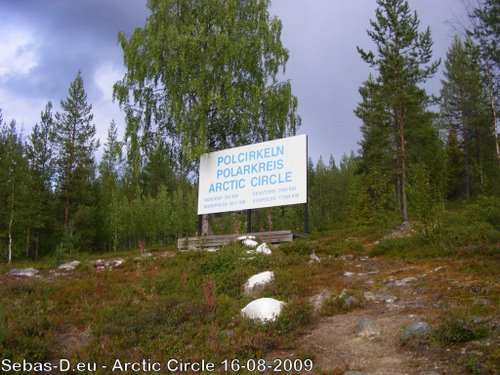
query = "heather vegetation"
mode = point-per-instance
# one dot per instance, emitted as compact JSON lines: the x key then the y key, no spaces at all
{"x":421,"y":195}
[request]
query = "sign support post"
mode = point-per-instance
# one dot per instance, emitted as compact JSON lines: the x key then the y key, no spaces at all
{"x":249,"y":221}
{"x":200,"y":220}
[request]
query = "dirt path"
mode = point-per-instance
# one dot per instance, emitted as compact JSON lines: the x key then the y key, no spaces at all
{"x":396,"y":293}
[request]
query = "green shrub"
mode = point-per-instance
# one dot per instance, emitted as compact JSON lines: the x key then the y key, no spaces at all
{"x":299,"y":246}
{"x":295,"y":316}
{"x":456,"y":330}
{"x":347,"y":246}
{"x":340,"y":304}
{"x":410,"y":248}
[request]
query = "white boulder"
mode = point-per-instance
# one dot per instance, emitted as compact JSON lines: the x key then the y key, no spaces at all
{"x":263,"y":249}
{"x":263,"y":310}
{"x":258,"y":281}
{"x":249,"y":242}
{"x":242,"y":238}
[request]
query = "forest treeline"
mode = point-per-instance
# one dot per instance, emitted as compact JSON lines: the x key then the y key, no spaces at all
{"x":215,"y":86}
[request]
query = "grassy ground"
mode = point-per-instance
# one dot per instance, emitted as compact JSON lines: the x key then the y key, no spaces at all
{"x":186,"y":305}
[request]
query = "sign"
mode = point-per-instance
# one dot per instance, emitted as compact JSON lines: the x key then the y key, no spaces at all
{"x":266,"y":174}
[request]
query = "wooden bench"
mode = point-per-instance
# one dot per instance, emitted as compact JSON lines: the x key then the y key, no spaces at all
{"x":276,"y":237}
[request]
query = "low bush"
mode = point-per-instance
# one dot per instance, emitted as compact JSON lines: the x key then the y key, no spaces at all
{"x":455,"y":330}
{"x":299,"y":246}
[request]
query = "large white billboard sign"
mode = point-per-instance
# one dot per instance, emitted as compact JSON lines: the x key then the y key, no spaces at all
{"x":266,"y":174}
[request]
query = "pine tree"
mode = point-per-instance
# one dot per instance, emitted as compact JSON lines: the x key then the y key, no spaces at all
{"x":74,"y":139}
{"x":110,"y":171}
{"x":41,"y":177}
{"x":393,"y":98}
{"x":486,"y":32}
{"x":464,"y":112}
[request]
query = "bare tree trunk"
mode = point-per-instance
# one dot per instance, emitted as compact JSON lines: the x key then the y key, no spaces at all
{"x":28,"y":242}
{"x":404,"y":167}
{"x":37,"y":243}
{"x":495,"y":132}
{"x":11,"y":221}
{"x":205,"y":226}
{"x":466,"y":151}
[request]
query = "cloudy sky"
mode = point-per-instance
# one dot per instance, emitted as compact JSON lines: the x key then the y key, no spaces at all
{"x":43,"y":44}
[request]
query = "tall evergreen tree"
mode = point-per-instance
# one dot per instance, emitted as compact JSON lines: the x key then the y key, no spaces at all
{"x":41,"y":174}
{"x":110,"y":171}
{"x":75,"y":143}
{"x":463,"y":107}
{"x":396,"y":104}
{"x":13,"y":192}
{"x":486,"y":32}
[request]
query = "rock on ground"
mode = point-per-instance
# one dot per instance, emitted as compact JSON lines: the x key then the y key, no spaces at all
{"x":415,"y":330}
{"x":367,"y":328}
{"x":23,"y":272}
{"x":242,"y":238}
{"x":249,"y":242}
{"x":68,"y":266}
{"x":263,"y":310}
{"x":258,"y":281}
{"x":320,"y":298}
{"x":263,"y":249}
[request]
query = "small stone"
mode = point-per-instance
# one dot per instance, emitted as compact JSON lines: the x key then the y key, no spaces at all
{"x":369,"y":296}
{"x":117,"y":262}
{"x":350,"y":302}
{"x":23,"y":272}
{"x":416,"y":330}
{"x":404,"y":281}
{"x":314,"y":257}
{"x":319,"y":299}
{"x":354,"y":373}
{"x":349,"y":274}
{"x":387,"y":298}
{"x":346,"y":257}
{"x":367,"y":328}
{"x":68,"y":266}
